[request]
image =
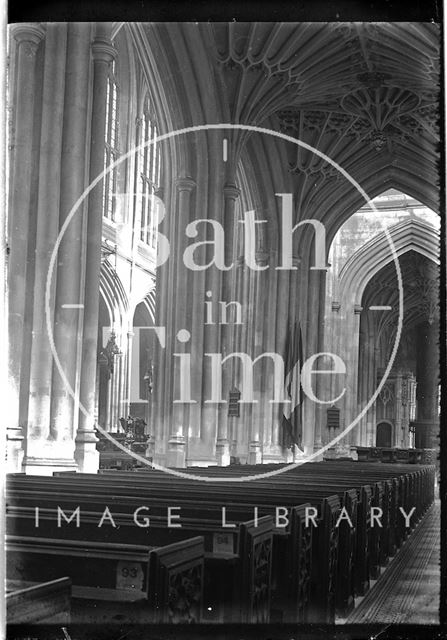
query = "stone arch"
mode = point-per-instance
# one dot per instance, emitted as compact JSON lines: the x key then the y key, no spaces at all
{"x":142,"y":359}
{"x":114,"y":295}
{"x":111,"y":383}
{"x":148,"y":303}
{"x":344,"y":319}
{"x":374,"y":185}
{"x":368,"y":260}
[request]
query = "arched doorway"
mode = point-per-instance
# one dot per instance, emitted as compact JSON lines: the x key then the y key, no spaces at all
{"x":383,"y":434}
{"x":104,"y":367}
{"x":362,"y":308}
{"x":141,"y":375}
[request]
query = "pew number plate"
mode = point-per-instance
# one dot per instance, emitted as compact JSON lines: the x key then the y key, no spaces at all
{"x":129,"y":576}
{"x":223,"y":543}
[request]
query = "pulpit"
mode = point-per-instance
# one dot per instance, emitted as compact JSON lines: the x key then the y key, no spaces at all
{"x":132,"y":437}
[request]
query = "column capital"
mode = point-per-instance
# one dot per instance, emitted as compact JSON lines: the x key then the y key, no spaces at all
{"x":185,"y":184}
{"x":102,"y":50}
{"x":29,"y":35}
{"x":358,"y":309}
{"x":296,"y":261}
{"x":231,"y":191}
{"x":335,"y":305}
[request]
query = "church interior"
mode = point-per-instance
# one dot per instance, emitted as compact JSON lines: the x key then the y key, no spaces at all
{"x":223,"y":301}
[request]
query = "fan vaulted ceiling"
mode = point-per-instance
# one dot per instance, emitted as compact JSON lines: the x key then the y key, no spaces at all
{"x":365,"y":94}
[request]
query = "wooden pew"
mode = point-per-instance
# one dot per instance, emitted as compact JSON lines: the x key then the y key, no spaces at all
{"x":322,"y":579}
{"x":407,"y":474}
{"x":38,"y":602}
{"x":224,"y":569}
{"x":296,"y":523}
{"x":397,"y":492}
{"x":225,"y":562}
{"x":369,"y":558}
{"x":115,"y":580}
{"x":345,"y":560}
{"x":160,"y":480}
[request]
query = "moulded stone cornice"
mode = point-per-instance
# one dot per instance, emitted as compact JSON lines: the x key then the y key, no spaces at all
{"x":28,"y":35}
{"x":231,"y":191}
{"x":335,"y":306}
{"x":103,"y":50}
{"x":185,"y":184}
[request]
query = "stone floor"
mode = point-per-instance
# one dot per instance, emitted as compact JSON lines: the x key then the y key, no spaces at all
{"x":407,"y":591}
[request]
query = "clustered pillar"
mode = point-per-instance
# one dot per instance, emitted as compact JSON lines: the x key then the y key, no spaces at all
{"x":176,"y":449}
{"x":27,"y":39}
{"x":87,"y":457}
{"x":229,"y":278}
{"x":427,"y":390}
{"x":58,"y":140}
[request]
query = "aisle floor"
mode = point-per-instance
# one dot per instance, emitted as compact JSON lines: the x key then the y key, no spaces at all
{"x":407,"y":591}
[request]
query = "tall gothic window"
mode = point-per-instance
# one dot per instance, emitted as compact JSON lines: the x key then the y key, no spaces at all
{"x":149,"y":171}
{"x":111,"y":145}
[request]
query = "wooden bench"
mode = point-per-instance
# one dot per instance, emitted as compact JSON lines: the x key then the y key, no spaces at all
{"x":38,"y":602}
{"x":387,"y":489}
{"x":361,"y":556}
{"x":115,"y":580}
{"x":389,"y":454}
{"x":328,"y":508}
{"x":38,"y":494}
{"x":224,"y":568}
{"x":380,"y":496}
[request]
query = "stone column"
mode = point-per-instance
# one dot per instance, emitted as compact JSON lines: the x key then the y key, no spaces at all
{"x":244,"y":345}
{"x":335,"y":328}
{"x":86,"y":455}
{"x":272,"y":450}
{"x":320,"y":409}
{"x":351,"y":358}
{"x":164,"y":296}
{"x":312,"y":342}
{"x":176,"y":449}
{"x":366,"y":433}
{"x":405,"y":421}
{"x":293,"y":318}
{"x":366,"y":382}
{"x":128,"y":367}
{"x":231,"y":194}
{"x":259,"y":371}
{"x":46,"y":233}
{"x":399,"y":436}
{"x":69,"y":274}
{"x":28,"y":37}
{"x":427,"y":374}
{"x":238,"y":341}
{"x":116,"y":393}
{"x":308,"y":349}
{"x":284,"y":291}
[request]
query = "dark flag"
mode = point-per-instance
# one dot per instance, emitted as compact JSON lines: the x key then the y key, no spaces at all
{"x":292,"y":411}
